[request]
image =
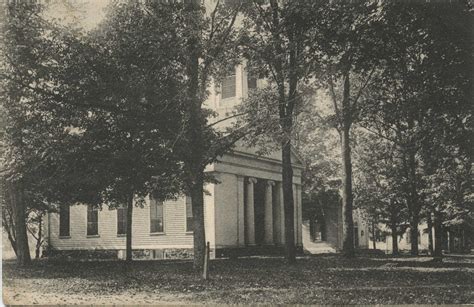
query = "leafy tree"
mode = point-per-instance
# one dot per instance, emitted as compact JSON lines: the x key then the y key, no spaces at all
{"x":23,"y":127}
{"x":423,"y":82}
{"x":378,"y":185}
{"x":118,"y":97}
{"x":205,"y":48}
{"x":317,"y":146}
{"x":349,"y":45}
{"x":275,"y":43}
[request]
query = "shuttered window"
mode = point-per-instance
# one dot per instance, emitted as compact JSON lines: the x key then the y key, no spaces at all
{"x":189,"y":214}
{"x":156,"y":216}
{"x":121,"y":220}
{"x":228,"y":86}
{"x":92,"y":220}
{"x":64,"y":221}
{"x":251,"y":82}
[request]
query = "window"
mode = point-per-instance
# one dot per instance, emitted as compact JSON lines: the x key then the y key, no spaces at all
{"x":92,"y":221}
{"x":64,"y":221}
{"x":189,"y":214}
{"x":228,"y":86}
{"x":156,"y":216}
{"x":121,"y":220}
{"x":251,"y":82}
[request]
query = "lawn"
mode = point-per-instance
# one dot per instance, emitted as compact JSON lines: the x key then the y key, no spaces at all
{"x":313,"y":280}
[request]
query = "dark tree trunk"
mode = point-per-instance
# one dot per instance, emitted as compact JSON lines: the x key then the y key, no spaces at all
{"x":347,"y":222}
{"x":414,"y":236}
{"x":128,"y":246}
{"x":412,"y":201}
{"x":196,"y":157}
{"x":429,"y":221}
{"x":19,"y":213}
{"x":288,"y":202}
{"x":39,"y":239}
{"x":438,"y":242}
{"x":345,"y":115}
{"x":312,"y":228}
{"x":197,"y":199}
{"x":394,"y":240}
{"x":373,"y":236}
{"x":8,"y":224}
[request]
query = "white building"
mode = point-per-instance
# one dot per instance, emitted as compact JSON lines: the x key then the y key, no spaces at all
{"x":243,"y":213}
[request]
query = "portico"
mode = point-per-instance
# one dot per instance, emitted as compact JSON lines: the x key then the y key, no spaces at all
{"x":248,"y":205}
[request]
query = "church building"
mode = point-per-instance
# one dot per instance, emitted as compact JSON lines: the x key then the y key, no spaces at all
{"x":243,"y":212}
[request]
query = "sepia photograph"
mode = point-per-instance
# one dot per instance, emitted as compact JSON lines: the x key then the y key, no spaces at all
{"x":222,"y":152}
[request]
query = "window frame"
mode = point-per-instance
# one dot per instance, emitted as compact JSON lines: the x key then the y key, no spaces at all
{"x":234,"y":76}
{"x":157,"y":203}
{"x":254,"y":80}
{"x":91,"y":209}
{"x":61,"y":212}
{"x":123,"y":209}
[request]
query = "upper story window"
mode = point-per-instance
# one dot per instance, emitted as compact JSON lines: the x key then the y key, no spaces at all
{"x":228,"y":89}
{"x":156,"y":216}
{"x":121,"y":220}
{"x":189,"y":214}
{"x":92,"y":220}
{"x":251,"y":82}
{"x":64,"y":221}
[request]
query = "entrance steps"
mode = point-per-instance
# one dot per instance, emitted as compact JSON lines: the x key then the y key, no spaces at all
{"x":318,"y":247}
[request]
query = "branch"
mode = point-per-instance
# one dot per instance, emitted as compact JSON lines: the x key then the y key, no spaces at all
{"x":227,"y":118}
{"x":333,"y":98}
{"x":361,"y":89}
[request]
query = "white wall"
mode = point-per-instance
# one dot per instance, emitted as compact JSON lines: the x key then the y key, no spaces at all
{"x":174,"y":235}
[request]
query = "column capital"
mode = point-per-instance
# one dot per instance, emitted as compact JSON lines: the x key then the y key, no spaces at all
{"x":270,"y":182}
{"x":252,"y":180}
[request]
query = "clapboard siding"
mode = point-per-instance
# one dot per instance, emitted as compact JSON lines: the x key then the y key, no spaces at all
{"x":174,"y":234}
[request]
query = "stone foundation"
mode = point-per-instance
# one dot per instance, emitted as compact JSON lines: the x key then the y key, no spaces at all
{"x":254,"y":251}
{"x":166,"y":253}
{"x":114,"y":254}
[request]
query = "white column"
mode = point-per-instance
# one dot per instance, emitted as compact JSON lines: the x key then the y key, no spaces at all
{"x":282,"y":214}
{"x":250,"y":212}
{"x":299,"y":240}
{"x":240,"y":212}
{"x":269,"y":212}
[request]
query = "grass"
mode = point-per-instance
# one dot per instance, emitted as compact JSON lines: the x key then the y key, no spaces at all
{"x":313,"y":280}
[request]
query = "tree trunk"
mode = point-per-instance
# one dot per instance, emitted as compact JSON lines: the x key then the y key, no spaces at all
{"x":128,"y":247}
{"x":394,"y":240}
{"x":429,"y":221}
{"x":438,"y":242}
{"x":312,"y":228}
{"x":8,"y":223}
{"x":19,"y":213}
{"x":39,"y":240}
{"x":288,"y":202}
{"x":412,"y":201}
{"x":197,"y":199}
{"x":347,"y":220}
{"x":373,"y":236}
{"x":345,"y":117}
{"x":414,"y":236}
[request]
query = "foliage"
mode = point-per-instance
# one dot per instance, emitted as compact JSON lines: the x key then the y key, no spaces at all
{"x":275,"y":40}
{"x":419,"y":102}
